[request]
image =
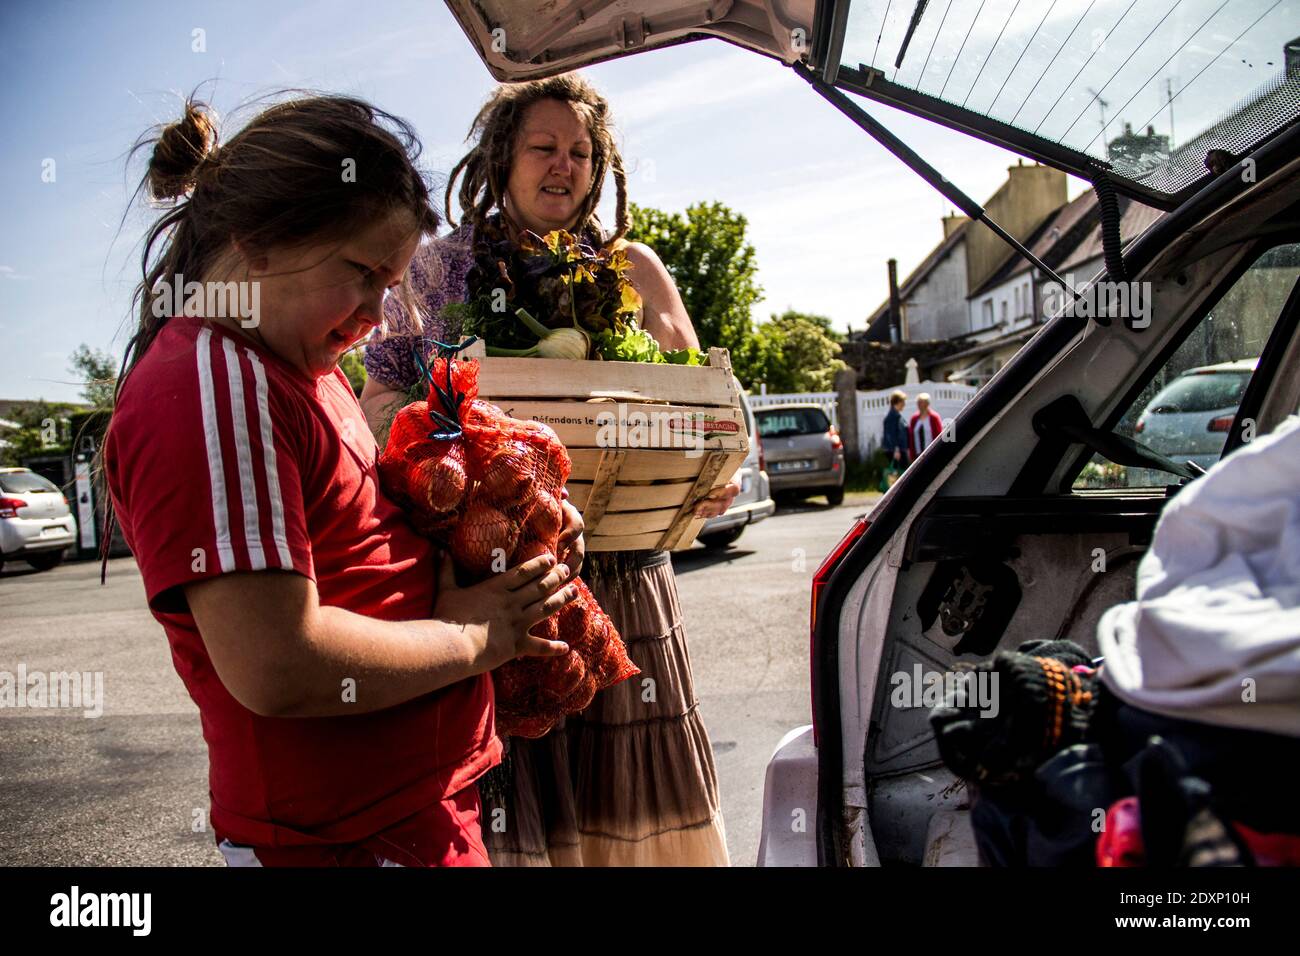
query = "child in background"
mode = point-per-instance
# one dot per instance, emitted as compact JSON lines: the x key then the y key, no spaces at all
{"x":340,"y":675}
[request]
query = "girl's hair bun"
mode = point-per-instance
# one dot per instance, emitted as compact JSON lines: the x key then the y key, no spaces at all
{"x":180,"y":150}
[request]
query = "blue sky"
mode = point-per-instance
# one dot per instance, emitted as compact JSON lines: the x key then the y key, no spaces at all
{"x":702,"y":121}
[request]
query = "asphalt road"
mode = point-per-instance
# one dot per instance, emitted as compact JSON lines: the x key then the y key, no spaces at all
{"x":130,"y":787}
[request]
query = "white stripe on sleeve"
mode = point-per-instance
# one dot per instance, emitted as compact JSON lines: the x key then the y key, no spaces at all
{"x":268,"y":456}
{"x":243,"y":456}
{"x":212,"y":441}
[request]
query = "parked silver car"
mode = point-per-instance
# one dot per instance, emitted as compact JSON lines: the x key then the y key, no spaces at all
{"x":36,"y":524}
{"x":754,"y":503}
{"x":805,"y":455}
{"x":1189,"y":419}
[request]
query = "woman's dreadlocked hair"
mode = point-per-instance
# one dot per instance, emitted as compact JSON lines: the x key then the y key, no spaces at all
{"x":495,"y":132}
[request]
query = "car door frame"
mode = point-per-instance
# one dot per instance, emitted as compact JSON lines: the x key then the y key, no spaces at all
{"x":983,"y":409}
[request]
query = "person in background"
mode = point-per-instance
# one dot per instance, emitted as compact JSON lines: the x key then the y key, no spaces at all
{"x":893,"y":440}
{"x":631,"y":780}
{"x":925,"y":427}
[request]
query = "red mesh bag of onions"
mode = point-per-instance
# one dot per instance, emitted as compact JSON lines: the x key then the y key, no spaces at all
{"x":488,"y":487}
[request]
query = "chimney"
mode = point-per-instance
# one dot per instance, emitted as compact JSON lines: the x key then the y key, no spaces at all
{"x":951,"y":222}
{"x":895,"y":303}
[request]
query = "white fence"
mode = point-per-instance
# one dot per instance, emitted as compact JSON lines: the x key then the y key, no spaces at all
{"x":946,"y":399}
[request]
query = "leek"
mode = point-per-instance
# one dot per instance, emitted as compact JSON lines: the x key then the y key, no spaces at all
{"x":571,"y":343}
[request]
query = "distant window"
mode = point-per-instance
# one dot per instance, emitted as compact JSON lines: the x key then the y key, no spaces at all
{"x":1199,"y":391}
{"x":986,"y":318}
{"x":1017,"y":301}
{"x":1004,"y":310}
{"x":24,"y":483}
{"x":786,"y":422}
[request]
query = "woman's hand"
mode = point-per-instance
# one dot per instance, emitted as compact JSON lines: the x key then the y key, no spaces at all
{"x":718,"y":500}
{"x":506,"y":605}
{"x":572,"y":549}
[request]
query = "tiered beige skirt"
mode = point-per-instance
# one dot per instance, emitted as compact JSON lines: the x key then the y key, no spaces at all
{"x":630,"y":781}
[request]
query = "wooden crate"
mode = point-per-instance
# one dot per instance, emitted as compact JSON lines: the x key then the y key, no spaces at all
{"x":647,"y":441}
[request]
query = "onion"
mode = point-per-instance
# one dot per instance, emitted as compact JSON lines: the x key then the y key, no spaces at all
{"x":545,"y":520}
{"x":508,"y":475}
{"x":438,"y":482}
{"x":581,"y":697}
{"x":479,"y":533}
{"x":562,"y":677}
{"x":529,"y":550}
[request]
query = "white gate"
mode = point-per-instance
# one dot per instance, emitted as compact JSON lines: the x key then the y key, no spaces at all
{"x":946,"y":399}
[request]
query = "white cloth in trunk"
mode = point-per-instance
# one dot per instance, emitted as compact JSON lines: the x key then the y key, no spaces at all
{"x":1214,"y":635}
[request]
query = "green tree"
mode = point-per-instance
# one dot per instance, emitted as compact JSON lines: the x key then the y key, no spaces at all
{"x":801,"y":353}
{"x":34,"y":428}
{"x":354,"y":367}
{"x":97,"y":370}
{"x":714,"y":268}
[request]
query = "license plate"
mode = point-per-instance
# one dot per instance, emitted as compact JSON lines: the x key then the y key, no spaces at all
{"x":800,"y":465}
{"x":52,"y":530}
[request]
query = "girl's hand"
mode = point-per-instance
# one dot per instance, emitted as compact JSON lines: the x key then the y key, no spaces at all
{"x":718,"y":500}
{"x":571,"y":547}
{"x":503,"y":608}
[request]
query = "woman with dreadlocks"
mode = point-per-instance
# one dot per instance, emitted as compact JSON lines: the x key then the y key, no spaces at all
{"x":630,"y":781}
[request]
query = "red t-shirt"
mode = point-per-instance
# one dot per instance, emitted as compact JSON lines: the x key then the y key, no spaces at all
{"x":221,"y":457}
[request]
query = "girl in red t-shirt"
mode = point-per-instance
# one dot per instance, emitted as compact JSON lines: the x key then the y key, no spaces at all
{"x":340,"y":674}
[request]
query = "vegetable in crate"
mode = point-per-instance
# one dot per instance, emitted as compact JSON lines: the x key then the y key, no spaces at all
{"x":488,"y":487}
{"x":556,"y":297}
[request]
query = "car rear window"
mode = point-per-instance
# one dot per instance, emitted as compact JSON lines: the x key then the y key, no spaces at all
{"x":792,"y":421}
{"x":25,"y":482}
{"x":1201,"y":392}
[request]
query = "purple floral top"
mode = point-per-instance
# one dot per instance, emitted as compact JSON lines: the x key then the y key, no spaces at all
{"x":438,"y":273}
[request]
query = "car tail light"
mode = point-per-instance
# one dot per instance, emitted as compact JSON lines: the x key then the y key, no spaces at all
{"x":9,"y":507}
{"x":819,"y":580}
{"x":1221,"y":424}
{"x":836,"y":443}
{"x":762,"y":455}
